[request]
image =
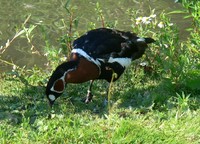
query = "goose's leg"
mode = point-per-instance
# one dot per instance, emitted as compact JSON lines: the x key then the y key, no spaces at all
{"x":89,"y":94}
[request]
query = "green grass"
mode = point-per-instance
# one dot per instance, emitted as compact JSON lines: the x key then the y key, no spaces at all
{"x":159,"y":105}
{"x":143,"y":111}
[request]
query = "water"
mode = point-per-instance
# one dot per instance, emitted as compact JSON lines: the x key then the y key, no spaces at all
{"x":50,"y":12}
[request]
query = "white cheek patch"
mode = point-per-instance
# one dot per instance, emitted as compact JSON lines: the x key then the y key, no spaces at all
{"x":52,"y":97}
{"x":125,"y":62}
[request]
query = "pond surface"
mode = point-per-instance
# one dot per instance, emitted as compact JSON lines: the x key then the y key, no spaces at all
{"x":50,"y":13}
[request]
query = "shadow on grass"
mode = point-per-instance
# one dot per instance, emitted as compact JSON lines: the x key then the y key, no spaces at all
{"x":160,"y":95}
{"x":8,"y":107}
{"x":31,"y":103}
{"x":27,"y":103}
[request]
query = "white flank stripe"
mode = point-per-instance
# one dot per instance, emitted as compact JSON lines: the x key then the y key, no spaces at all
{"x":125,"y":62}
{"x":85,"y":55}
{"x":140,"y":40}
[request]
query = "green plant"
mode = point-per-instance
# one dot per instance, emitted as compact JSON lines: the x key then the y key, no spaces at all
{"x":102,"y":19}
{"x":100,"y":14}
{"x":66,"y":40}
{"x":192,"y":8}
{"x":183,"y":101}
{"x":22,"y":31}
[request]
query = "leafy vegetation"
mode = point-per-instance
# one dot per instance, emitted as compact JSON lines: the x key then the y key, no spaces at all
{"x":155,"y":101}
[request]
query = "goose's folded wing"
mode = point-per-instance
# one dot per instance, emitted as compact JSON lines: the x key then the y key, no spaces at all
{"x":101,"y":43}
